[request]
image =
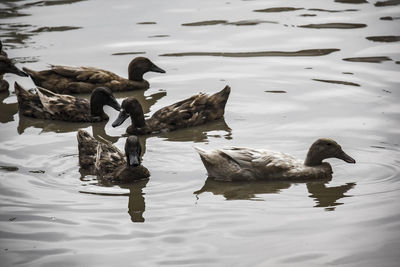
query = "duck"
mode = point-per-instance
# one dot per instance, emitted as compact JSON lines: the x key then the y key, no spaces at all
{"x":76,"y":80}
{"x":7,"y":66}
{"x":108,"y":162}
{"x":195,"y":110}
{"x":45,"y":104}
{"x":246,"y":164}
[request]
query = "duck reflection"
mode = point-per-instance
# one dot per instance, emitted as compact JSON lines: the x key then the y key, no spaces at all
{"x":328,"y":197}
{"x":200,"y":133}
{"x":7,"y":110}
{"x":136,"y":204}
{"x":323,"y":195}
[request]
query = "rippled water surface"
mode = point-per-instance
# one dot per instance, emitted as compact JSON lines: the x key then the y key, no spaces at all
{"x":299,"y":70}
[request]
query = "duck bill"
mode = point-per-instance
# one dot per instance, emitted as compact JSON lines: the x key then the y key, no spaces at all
{"x":17,"y":71}
{"x":345,"y":157}
{"x":133,"y":160}
{"x":121,"y":118}
{"x":114,"y":104}
{"x":155,"y":68}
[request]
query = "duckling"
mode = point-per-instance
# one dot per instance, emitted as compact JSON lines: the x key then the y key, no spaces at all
{"x":192,"y":111}
{"x":48,"y":105}
{"x":245,"y":164}
{"x":7,"y":66}
{"x":74,"y":80}
{"x":107,"y":161}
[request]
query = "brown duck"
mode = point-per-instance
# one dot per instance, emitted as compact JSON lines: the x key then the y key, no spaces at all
{"x":245,"y":164}
{"x":108,"y":162}
{"x":48,"y":105}
{"x":75,"y":80}
{"x":192,"y":111}
{"x":7,"y":66}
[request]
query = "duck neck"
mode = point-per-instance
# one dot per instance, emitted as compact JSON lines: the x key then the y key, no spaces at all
{"x":138,"y":120}
{"x":136,"y":76}
{"x":313,"y":159}
{"x":96,"y":106}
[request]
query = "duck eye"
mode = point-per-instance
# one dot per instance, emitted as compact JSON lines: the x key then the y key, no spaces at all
{"x":328,"y":144}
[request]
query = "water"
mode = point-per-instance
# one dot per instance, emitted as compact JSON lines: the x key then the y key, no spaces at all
{"x":299,"y":70}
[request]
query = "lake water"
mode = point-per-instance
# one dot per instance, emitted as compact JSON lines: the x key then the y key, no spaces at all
{"x":299,"y":70}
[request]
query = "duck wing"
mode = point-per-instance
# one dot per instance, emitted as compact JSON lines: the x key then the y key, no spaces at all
{"x":87,"y":147}
{"x":64,"y":107}
{"x":67,"y":79}
{"x":192,"y":111}
{"x":246,"y":164}
{"x":108,"y":159}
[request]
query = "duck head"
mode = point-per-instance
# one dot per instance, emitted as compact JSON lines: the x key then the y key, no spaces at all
{"x":102,"y":96}
{"x":130,"y":107}
{"x":133,"y":150}
{"x":7,"y":66}
{"x":325,"y":148}
{"x":139,"y":66}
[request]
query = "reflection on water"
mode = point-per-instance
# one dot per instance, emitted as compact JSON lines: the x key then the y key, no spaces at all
{"x":334,"y":26}
{"x":368,"y":59}
{"x":242,"y":190}
{"x":136,"y":204}
{"x":325,"y":196}
{"x":200,"y":133}
{"x":300,"y":53}
{"x":225,"y":22}
{"x":386,"y":39}
{"x":8,"y":110}
{"x":337,"y":82}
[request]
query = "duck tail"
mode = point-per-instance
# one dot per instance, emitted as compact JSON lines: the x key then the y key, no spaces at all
{"x":87,"y":147}
{"x":218,"y":101}
{"x":23,"y":96}
{"x":35,"y":76}
{"x":204,"y":156}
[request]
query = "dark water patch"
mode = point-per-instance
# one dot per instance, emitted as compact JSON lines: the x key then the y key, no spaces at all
{"x":56,"y":29}
{"x":334,"y":26}
{"x":9,"y":168}
{"x":250,"y":22}
{"x":52,"y":3}
{"x":352,"y":1}
{"x":386,"y":39}
{"x":397,"y":62}
{"x":349,"y":73}
{"x":225,"y":22}
{"x":278,"y":9}
{"x":147,"y":22}
{"x":386,"y":91}
{"x":337,"y":82}
{"x":368,"y":59}
{"x":205,"y":23}
{"x":276,"y":91}
{"x":11,"y":13}
{"x":389,"y":18}
{"x":159,"y":36}
{"x":379,"y":147}
{"x":300,"y":53}
{"x":127,"y":53}
{"x":387,"y":3}
{"x":332,"y":11}
{"x":37,"y":171}
{"x":308,"y":15}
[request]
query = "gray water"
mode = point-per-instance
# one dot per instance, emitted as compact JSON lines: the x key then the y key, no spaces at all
{"x":299,"y":70}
